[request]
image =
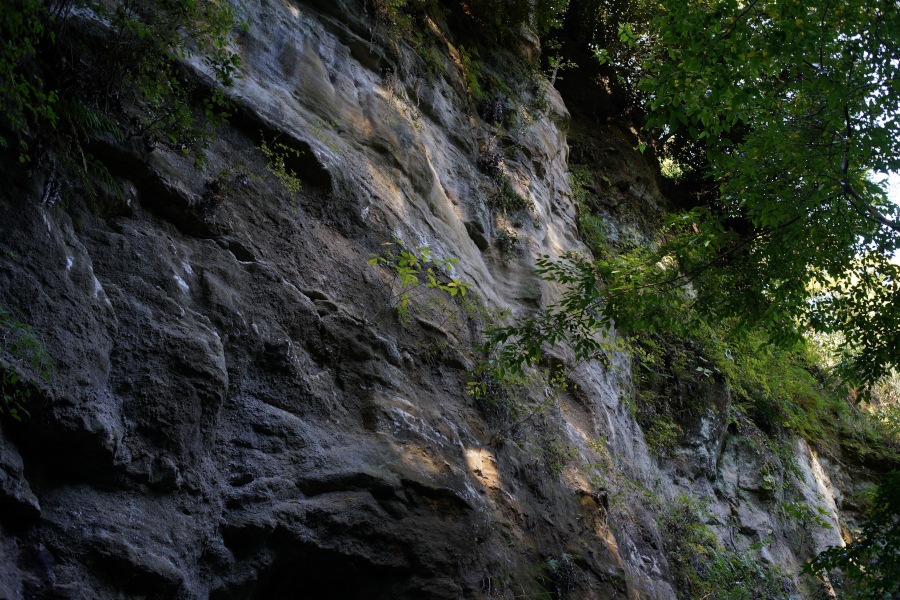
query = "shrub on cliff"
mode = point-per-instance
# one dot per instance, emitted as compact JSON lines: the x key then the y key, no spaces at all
{"x":71,"y":72}
{"x":870,"y":564}
{"x":702,"y":567}
{"x":24,"y":364}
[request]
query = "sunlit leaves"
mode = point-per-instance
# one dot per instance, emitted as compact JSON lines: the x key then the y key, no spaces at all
{"x":795,"y":104}
{"x":409,"y":266}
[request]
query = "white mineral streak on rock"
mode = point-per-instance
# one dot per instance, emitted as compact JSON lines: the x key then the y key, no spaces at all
{"x":181,"y":284}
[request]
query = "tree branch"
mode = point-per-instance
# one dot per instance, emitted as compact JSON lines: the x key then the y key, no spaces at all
{"x":701,"y":268}
{"x":873,"y":213}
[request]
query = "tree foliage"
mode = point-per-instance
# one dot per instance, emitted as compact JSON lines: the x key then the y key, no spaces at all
{"x":73,"y":71}
{"x":871,"y":564}
{"x":24,"y":364}
{"x":793,"y":107}
{"x":796,"y":104}
{"x":790,"y":111}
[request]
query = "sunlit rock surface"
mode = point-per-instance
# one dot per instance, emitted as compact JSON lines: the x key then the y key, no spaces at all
{"x":238,"y":415}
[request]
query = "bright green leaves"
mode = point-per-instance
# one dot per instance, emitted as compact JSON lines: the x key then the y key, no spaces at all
{"x":277,"y":156}
{"x":862,"y":305}
{"x":453,"y":288}
{"x":471,"y":66}
{"x":408,"y":267}
{"x":597,"y":295}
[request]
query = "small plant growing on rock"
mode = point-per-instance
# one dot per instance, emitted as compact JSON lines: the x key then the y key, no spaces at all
{"x":472,"y":72}
{"x":319,"y":128}
{"x":20,"y":349}
{"x":507,"y":398}
{"x":398,"y":17}
{"x":277,"y":154}
{"x":592,"y":230}
{"x":392,"y":15}
{"x":497,"y":399}
{"x":809,"y":518}
{"x":408,"y":266}
{"x":507,"y":200}
{"x":397,"y":90}
{"x":560,"y":574}
{"x":768,"y":478}
{"x":507,"y":242}
{"x":214,"y":194}
{"x":217,"y":190}
{"x":555,"y":454}
{"x":701,"y":566}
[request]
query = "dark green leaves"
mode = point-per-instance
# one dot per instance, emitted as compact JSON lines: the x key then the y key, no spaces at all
{"x":23,"y":364}
{"x":23,"y":26}
{"x":794,"y":105}
{"x":145,"y":40}
{"x":872,"y":561}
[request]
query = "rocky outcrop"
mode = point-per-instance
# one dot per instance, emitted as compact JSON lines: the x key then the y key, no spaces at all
{"x":236,"y":415}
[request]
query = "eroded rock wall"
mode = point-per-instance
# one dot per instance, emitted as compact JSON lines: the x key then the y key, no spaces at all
{"x":237,"y":415}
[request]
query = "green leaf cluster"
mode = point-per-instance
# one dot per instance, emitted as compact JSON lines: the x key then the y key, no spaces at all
{"x":25,"y":366}
{"x":472,"y":71}
{"x":408,"y":266}
{"x":24,"y":26}
{"x":702,"y":567}
{"x":114,"y":72}
{"x":870,"y":564}
{"x":277,"y":156}
{"x":507,"y":200}
{"x":591,"y":228}
{"x":793,"y":105}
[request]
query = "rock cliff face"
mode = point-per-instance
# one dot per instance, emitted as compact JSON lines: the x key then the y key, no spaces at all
{"x":237,"y":415}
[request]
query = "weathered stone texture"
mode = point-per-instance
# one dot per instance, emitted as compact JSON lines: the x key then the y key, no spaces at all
{"x":231,"y":420}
